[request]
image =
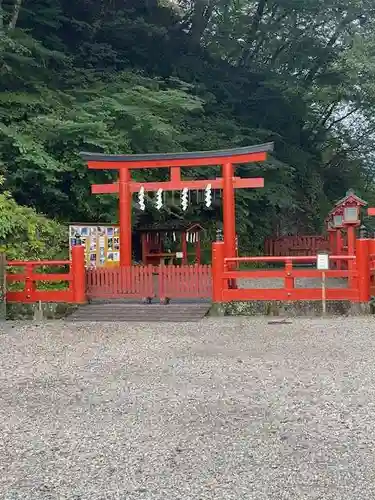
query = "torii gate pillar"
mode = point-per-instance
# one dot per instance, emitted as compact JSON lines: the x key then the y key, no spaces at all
{"x":229,"y":211}
{"x":125,"y":217}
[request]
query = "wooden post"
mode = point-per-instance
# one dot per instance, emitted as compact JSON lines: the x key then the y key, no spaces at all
{"x":363,"y":269}
{"x":237,"y":253}
{"x":339,"y":245}
{"x":324,"y":294}
{"x":289,"y":280}
{"x":351,"y":251}
{"x":29,"y":283}
{"x":332,"y":241}
{"x":145,"y":248}
{"x":79,"y":274}
{"x":371,"y":243}
{"x":125,"y":218}
{"x":184,"y":249}
{"x":351,"y":240}
{"x":3,"y":267}
{"x":371,"y":250}
{"x":218,"y":253}
{"x":198,"y":250}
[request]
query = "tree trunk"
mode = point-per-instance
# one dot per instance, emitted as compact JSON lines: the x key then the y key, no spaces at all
{"x":15,"y":14}
{"x":322,"y":64}
{"x":200,"y":18}
{"x":1,"y":17}
{"x":253,"y":30}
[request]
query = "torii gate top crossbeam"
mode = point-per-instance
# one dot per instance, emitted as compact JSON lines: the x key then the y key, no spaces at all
{"x":99,"y":161}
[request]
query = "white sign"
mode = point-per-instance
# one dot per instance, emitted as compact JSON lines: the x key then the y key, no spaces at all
{"x":179,"y":255}
{"x":322,"y":261}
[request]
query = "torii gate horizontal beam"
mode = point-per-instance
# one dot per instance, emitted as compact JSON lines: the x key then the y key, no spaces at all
{"x":172,"y":185}
{"x":100,"y":165}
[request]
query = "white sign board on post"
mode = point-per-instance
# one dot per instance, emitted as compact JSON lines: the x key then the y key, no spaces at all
{"x":322,"y":261}
{"x":322,"y":264}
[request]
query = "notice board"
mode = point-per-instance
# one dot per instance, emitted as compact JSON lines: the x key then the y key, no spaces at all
{"x":101,"y":242}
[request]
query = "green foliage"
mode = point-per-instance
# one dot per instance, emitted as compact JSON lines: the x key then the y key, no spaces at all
{"x":26,"y":235}
{"x":148,"y":76}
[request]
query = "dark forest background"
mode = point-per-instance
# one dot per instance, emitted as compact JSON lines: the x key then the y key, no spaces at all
{"x":132,"y":76}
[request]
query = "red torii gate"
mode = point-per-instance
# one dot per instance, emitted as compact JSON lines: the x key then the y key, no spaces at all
{"x":126,"y":186}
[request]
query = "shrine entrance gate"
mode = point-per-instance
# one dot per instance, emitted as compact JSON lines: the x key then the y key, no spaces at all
{"x":167,"y":282}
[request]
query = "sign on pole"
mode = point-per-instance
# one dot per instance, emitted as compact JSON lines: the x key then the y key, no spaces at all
{"x":322,"y":264}
{"x":322,"y":261}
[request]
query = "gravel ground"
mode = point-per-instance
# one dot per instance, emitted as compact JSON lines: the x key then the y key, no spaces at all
{"x":224,"y":409}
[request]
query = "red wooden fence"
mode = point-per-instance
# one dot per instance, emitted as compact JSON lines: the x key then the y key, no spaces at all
{"x":75,"y":276}
{"x":196,"y":281}
{"x":31,"y":278}
{"x":185,"y":281}
{"x":295,"y":245}
{"x":120,"y":282}
{"x":150,"y":281}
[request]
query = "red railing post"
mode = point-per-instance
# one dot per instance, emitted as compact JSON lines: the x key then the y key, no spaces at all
{"x":339,"y":247}
{"x":351,"y":238}
{"x":217,"y":270}
{"x":29,"y":282}
{"x":363,"y":269}
{"x":79,"y":274}
{"x":332,"y":243}
{"x":371,"y":243}
{"x":371,"y":249}
{"x":289,"y":280}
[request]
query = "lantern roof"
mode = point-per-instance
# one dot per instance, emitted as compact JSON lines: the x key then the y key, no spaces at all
{"x":337,"y":210}
{"x":351,"y":199}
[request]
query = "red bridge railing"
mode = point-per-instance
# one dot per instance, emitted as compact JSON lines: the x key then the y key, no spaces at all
{"x":224,"y":275}
{"x":75,"y":277}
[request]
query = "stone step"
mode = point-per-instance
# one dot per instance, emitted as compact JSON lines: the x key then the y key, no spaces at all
{"x":120,"y":312}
